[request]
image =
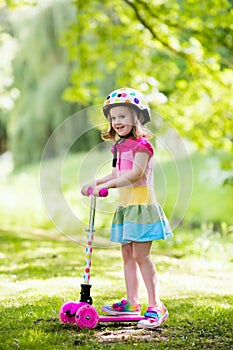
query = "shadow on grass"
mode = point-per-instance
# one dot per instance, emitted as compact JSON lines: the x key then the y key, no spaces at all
{"x":39,"y":273}
{"x":200,"y":321}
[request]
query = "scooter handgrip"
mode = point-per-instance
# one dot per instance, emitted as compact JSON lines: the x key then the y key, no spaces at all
{"x":103,"y":192}
{"x":90,"y":191}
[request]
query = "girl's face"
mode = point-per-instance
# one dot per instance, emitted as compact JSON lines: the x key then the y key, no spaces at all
{"x":122,"y":120}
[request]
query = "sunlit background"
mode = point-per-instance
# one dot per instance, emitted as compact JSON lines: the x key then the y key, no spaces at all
{"x":58,"y":61}
{"x":61,"y":57}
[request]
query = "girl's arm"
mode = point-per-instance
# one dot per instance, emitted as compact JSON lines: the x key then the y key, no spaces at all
{"x":107,"y":178}
{"x":129,"y":176}
{"x":98,"y":182}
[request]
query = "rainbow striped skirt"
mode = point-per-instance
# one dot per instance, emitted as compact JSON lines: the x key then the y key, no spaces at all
{"x":139,"y":218}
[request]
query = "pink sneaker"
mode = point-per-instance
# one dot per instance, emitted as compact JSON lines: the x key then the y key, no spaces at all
{"x":154,"y":317}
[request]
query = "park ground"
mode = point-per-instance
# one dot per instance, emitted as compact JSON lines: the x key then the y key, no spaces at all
{"x":42,"y":268}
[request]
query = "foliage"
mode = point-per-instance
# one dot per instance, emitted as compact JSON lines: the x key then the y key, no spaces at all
{"x":16,"y":3}
{"x":40,"y":271}
{"x":41,"y":75}
{"x":8,"y":93}
{"x":180,"y":51}
{"x":41,"y":62}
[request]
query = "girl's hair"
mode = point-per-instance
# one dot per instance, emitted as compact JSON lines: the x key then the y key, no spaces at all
{"x":139,"y":130}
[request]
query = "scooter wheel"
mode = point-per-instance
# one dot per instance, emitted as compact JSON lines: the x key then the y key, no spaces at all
{"x":68,"y":310}
{"x":86,"y":317}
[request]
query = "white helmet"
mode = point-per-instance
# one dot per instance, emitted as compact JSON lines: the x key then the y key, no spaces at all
{"x":130,"y":97}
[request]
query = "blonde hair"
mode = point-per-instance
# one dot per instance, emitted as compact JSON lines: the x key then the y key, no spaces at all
{"x":139,"y":130}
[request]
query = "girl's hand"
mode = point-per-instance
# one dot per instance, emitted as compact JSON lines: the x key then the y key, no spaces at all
{"x":84,"y":189}
{"x":97,"y":190}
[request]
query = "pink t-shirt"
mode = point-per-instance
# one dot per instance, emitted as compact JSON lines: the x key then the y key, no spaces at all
{"x":126,"y":151}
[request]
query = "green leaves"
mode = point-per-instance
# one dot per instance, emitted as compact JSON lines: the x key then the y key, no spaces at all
{"x":185,"y":46}
{"x":179,"y":53}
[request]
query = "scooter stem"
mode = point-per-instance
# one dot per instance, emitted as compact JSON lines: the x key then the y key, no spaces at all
{"x":85,"y":288}
{"x":90,"y":236}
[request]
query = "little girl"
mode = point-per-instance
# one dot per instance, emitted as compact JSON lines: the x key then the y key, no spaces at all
{"x":138,"y":219}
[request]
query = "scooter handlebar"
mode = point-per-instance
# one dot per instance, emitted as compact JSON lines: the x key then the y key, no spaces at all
{"x":102,"y":193}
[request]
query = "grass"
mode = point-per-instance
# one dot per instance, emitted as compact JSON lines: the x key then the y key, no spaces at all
{"x":40,"y":272}
{"x":40,"y":268}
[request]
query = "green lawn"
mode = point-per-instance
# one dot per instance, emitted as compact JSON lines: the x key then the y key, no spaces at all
{"x":41,"y":268}
{"x":39,"y":272}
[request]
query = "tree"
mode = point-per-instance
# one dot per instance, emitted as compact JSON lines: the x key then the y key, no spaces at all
{"x":8,"y":93}
{"x":182,"y":49}
{"x":41,"y":73}
{"x":179,"y":53}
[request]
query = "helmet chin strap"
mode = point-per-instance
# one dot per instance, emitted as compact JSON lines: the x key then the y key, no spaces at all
{"x":126,"y":136}
{"x":121,"y":139}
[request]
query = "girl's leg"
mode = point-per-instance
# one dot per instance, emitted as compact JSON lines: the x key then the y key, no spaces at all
{"x":141,"y":254}
{"x":131,"y":273}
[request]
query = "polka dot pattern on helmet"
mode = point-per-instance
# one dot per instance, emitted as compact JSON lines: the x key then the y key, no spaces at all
{"x":127,"y":96}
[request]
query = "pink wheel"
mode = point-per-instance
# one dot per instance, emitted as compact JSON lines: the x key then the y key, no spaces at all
{"x":68,"y":310}
{"x":86,"y":317}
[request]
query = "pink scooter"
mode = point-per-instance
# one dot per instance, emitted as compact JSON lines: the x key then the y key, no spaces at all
{"x":83,"y":313}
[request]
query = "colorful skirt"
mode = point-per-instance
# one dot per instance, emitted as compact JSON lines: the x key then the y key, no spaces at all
{"x":139,"y":218}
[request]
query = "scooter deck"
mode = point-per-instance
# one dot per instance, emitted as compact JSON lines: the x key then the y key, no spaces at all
{"x":125,"y":318}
